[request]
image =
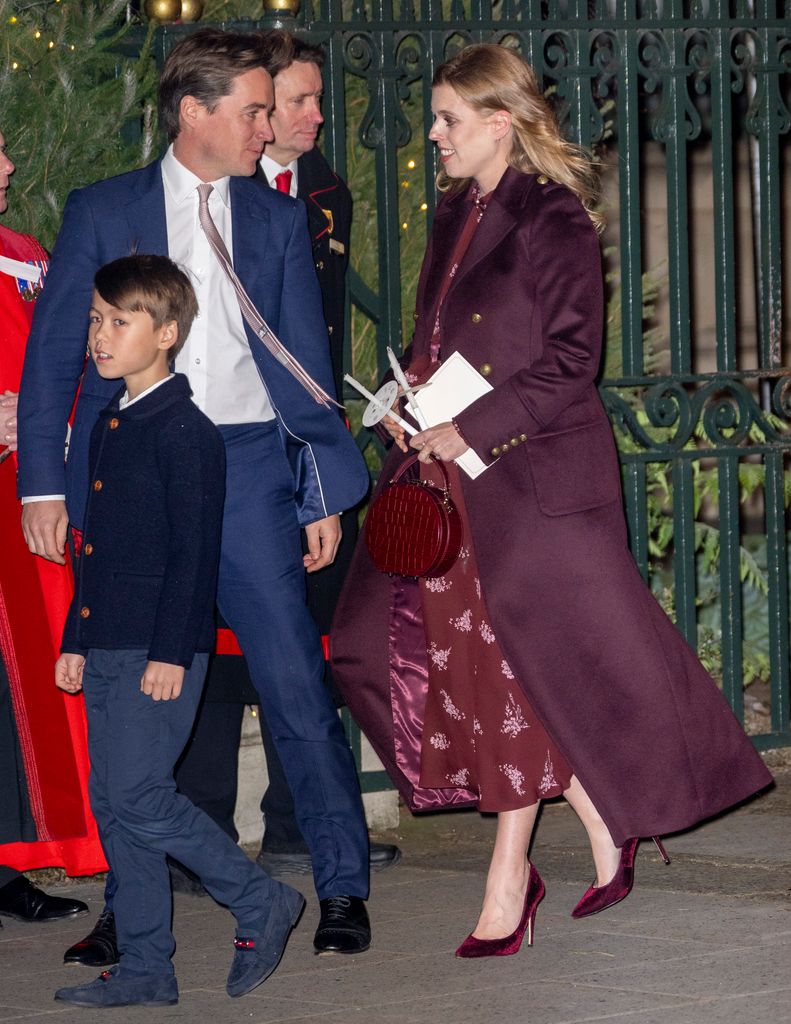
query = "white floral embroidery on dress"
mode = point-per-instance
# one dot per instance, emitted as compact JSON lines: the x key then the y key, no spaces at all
{"x":548,"y":780}
{"x":450,"y":707}
{"x":506,"y":669}
{"x":478,"y":588}
{"x":486,"y":632}
{"x":459,"y":778}
{"x":514,"y":776}
{"x":439,"y":741}
{"x":476,"y":727}
{"x":514,"y":721}
{"x":439,"y":656}
{"x":438,"y":584}
{"x":464,"y":622}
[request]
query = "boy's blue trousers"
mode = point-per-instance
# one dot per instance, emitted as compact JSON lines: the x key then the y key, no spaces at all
{"x":134,"y":742}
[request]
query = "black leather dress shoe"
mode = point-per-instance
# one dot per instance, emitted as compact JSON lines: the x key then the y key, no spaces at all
{"x":383,"y":856}
{"x":278,"y":862}
{"x":99,"y":948}
{"x":22,"y":900}
{"x":343,"y":927}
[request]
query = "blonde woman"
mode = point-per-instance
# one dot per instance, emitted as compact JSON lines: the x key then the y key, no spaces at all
{"x":547,"y":666}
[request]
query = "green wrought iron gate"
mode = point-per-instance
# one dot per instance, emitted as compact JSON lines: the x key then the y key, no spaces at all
{"x":688,"y":105}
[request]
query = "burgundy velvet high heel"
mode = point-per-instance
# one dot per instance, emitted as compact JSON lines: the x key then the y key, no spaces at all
{"x":509,"y":945}
{"x":598,"y":899}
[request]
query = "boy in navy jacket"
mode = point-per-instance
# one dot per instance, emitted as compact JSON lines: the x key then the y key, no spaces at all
{"x":137,"y":639}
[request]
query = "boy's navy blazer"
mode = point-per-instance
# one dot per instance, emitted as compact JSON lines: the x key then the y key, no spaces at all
{"x":271,"y":255}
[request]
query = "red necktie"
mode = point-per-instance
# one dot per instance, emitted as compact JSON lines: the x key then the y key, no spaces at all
{"x":283,"y":182}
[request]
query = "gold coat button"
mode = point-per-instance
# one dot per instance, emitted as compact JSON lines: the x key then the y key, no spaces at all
{"x":523,"y":437}
{"x":87,"y":549}
{"x":476,"y":318}
{"x":416,"y":316}
{"x":505,"y":446}
{"x":114,"y":423}
{"x":514,"y":442}
{"x":97,"y":485}
{"x":542,"y":179}
{"x":486,"y":369}
{"x":85,"y":612}
{"x":495,"y":452}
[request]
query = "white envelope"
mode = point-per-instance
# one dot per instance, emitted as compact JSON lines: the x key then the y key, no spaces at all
{"x":454,"y":386}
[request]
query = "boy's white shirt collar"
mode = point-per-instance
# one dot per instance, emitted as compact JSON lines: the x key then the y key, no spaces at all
{"x":124,"y":403}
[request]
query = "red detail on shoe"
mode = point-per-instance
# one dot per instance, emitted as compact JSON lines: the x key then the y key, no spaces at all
{"x":105,"y":975}
{"x":244,"y":943}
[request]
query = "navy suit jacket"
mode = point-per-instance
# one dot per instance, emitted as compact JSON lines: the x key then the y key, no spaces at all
{"x":272,"y":256}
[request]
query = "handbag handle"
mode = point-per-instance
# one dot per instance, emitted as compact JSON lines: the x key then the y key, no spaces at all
{"x":410,"y":462}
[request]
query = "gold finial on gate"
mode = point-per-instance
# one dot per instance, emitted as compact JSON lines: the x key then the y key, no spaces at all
{"x":290,"y":7}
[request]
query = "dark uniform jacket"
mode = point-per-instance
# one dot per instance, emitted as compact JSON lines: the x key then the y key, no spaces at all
{"x":148,"y":570}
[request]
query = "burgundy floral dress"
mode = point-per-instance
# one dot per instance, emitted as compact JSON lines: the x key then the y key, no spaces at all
{"x":480,"y":732}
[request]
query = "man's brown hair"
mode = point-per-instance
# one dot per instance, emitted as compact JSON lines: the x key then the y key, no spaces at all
{"x":205,"y":65}
{"x":281,"y":49}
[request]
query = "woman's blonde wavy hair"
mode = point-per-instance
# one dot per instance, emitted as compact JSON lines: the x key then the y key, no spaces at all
{"x":489,"y":77}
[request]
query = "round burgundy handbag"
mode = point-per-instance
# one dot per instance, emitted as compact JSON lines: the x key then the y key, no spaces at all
{"x":412,"y":527}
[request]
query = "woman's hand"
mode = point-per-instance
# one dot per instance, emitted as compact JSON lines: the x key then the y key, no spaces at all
{"x":444,"y":441}
{"x":395,"y":430}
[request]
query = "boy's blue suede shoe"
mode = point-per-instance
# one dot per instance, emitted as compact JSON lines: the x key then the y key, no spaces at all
{"x":258,"y":950}
{"x":118,"y":988}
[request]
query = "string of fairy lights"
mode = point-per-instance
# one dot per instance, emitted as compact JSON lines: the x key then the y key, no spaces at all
{"x":405,"y":184}
{"x":44,"y":37}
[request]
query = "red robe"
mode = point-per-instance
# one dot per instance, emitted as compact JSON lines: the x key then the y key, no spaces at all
{"x":34,"y":597}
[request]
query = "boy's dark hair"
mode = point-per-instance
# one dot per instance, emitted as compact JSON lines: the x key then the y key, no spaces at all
{"x":204,"y":65}
{"x":281,"y":49}
{"x":153,"y":285}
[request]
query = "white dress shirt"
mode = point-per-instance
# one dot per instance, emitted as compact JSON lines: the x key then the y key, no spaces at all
{"x":271,"y":168}
{"x":216,"y":357}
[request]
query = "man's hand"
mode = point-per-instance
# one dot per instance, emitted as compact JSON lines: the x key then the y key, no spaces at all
{"x":162,"y":681}
{"x":68,"y":672}
{"x":323,"y":538}
{"x":45,"y":525}
{"x":8,"y":401}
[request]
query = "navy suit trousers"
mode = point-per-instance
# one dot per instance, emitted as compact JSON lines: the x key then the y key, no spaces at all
{"x":134,"y":742}
{"x":261,"y":595}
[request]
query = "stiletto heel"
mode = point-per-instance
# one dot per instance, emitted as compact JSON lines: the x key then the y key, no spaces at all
{"x":661,"y":847}
{"x":618,"y":888}
{"x":472,"y":947}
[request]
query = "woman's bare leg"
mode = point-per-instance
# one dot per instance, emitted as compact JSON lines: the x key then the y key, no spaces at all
{"x":606,"y":854}
{"x":506,"y":883}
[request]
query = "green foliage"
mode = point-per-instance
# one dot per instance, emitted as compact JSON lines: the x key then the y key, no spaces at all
{"x":71,"y":103}
{"x":753,"y":571}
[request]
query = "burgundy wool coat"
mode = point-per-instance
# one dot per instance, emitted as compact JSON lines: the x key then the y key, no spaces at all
{"x":616,"y":686}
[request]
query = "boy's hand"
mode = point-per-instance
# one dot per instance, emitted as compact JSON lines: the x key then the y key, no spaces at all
{"x":162,"y":681}
{"x":68,"y":672}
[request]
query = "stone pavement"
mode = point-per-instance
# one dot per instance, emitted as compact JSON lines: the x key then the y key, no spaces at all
{"x":703,"y":941}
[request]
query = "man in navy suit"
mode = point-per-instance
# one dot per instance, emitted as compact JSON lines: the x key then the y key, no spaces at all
{"x":291,"y":163}
{"x":290,"y":461}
